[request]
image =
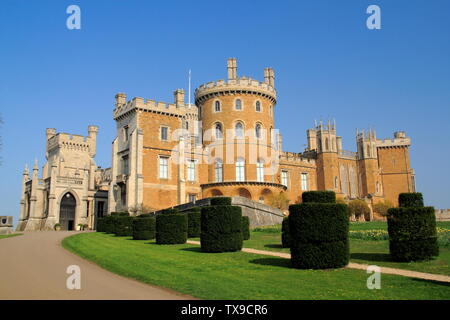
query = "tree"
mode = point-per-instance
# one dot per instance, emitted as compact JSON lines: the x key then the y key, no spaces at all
{"x":358,"y":208}
{"x":382,"y":207}
{"x":279,"y":201}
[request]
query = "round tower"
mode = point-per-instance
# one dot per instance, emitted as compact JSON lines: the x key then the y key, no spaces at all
{"x":237,"y":118}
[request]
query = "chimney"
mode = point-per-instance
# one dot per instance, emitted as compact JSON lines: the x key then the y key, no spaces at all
{"x":178,"y":97}
{"x":232,"y":69}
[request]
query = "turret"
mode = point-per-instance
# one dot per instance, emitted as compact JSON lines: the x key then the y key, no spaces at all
{"x":179,"y":97}
{"x":121,"y":99}
{"x":92,"y":134}
{"x":232,"y":69}
{"x":366,"y":144}
{"x":269,"y":76}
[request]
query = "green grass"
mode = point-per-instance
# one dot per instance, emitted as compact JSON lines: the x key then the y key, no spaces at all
{"x":238,"y":275}
{"x":3,"y":236}
{"x":362,"y":251}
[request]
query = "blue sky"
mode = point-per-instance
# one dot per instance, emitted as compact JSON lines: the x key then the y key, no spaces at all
{"x":327,"y":64}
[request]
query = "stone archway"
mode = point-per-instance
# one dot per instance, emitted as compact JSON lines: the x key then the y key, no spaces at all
{"x":265,"y":196}
{"x":242,"y":192}
{"x":67,"y":211}
{"x":216,"y":193}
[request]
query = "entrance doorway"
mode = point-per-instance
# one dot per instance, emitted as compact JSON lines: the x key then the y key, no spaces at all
{"x":67,"y":212}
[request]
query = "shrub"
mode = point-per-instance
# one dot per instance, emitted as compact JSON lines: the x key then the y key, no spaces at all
{"x":120,"y":214}
{"x":412,"y":232}
{"x":358,"y":208}
{"x":144,"y":228}
{"x":319,"y":235}
{"x":100,"y":225}
{"x":170,"y":211}
{"x":171,"y":228}
{"x":123,"y":226}
{"x":285,"y":233}
{"x":382,"y":207}
{"x":145,"y":215}
{"x":108,"y":224}
{"x":319,"y":197}
{"x":194,"y":222}
{"x":221,"y":201}
{"x":413,"y":199}
{"x":280,"y":201}
{"x":221,"y":228}
{"x":245,"y":228}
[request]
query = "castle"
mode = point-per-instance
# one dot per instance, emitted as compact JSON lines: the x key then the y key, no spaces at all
{"x":224,"y":144}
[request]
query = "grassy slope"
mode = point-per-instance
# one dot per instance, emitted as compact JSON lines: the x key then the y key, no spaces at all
{"x":363,"y":251}
{"x":238,"y":275}
{"x":3,"y":236}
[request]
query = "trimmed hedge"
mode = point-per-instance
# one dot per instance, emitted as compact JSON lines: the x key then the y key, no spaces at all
{"x":319,"y":235}
{"x":413,"y":199}
{"x":285,"y":233}
{"x":144,"y":228}
{"x":145,"y":215}
{"x":194,"y":222}
{"x":221,"y":201}
{"x":100,"y":225}
{"x":221,"y":229}
{"x":412,"y":231}
{"x":120,"y":214}
{"x":171,"y":228}
{"x":123,"y":226}
{"x":319,"y":197}
{"x":170,"y":211}
{"x":245,"y":228}
{"x":108,"y":224}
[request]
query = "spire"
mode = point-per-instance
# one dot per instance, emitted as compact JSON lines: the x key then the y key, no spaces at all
{"x":35,"y":167}
{"x":25,"y":170}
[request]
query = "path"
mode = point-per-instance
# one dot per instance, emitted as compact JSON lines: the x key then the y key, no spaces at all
{"x":33,"y":266}
{"x":359,"y":266}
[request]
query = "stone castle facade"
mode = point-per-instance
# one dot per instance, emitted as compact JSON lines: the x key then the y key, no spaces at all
{"x":167,"y":154}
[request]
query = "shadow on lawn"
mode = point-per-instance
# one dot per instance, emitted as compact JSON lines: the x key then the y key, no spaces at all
{"x":440,"y":283}
{"x":275,"y":262}
{"x":374,"y":257}
{"x":274,"y":245}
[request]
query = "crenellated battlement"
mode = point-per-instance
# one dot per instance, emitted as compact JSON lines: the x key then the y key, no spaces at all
{"x":139,"y":103}
{"x":68,"y":141}
{"x":243,"y":84}
{"x":296,"y":157}
{"x":400,"y":140}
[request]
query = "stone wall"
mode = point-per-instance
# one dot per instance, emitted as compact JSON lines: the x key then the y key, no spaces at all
{"x":6,"y":225}
{"x":442,"y":214}
{"x":260,"y":214}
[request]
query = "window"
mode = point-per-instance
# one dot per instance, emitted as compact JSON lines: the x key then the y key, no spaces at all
{"x":285,"y":178}
{"x":218,"y":169}
{"x":260,"y":171}
{"x":100,"y":209}
{"x":258,"y":106}
{"x":270,"y":111}
{"x":192,"y":197}
{"x":186,"y":125}
{"x":239,"y":130}
{"x":240,"y":169}
{"x":327,"y":147}
{"x":125,"y":133}
{"x":304,"y":179}
{"x":191,"y":170}
{"x":335,"y":182}
{"x":163,"y":168}
{"x":238,"y":104}
{"x":123,"y":194}
{"x":219,"y":133}
{"x":125,"y":167}
{"x":217,"y":106}
{"x":258,"y":131}
{"x":164,"y":133}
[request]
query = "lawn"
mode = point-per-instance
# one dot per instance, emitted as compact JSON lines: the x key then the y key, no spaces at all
{"x":3,"y":236}
{"x":238,"y":275}
{"x":362,"y":251}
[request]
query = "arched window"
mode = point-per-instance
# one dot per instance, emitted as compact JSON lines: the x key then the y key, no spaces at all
{"x":335,"y":182}
{"x":240,"y":169}
{"x":258,"y":106}
{"x":238,"y":104}
{"x":368,"y":151}
{"x":186,"y":125}
{"x":258,"y":131}
{"x":327,"y":145}
{"x":260,"y":171}
{"x":219,"y":132}
{"x":218,"y":169}
{"x":270,"y":111}
{"x":217,"y":106}
{"x":239,"y":130}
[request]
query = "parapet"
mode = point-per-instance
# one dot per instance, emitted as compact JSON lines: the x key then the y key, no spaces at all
{"x":138,"y":103}
{"x":244,"y":85}
{"x":400,"y":140}
{"x":296,"y":158}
